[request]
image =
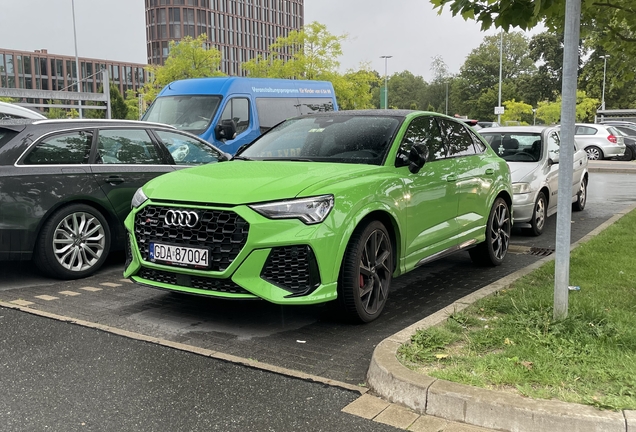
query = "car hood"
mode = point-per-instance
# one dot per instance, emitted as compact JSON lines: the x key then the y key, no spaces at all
{"x":241,"y":182}
{"x":520,"y":170}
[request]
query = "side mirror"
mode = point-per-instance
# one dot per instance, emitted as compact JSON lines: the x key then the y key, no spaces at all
{"x":226,"y":130}
{"x":417,"y":157}
{"x":553,"y":157}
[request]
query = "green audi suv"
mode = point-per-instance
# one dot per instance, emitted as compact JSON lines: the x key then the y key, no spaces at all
{"x":325,"y":207}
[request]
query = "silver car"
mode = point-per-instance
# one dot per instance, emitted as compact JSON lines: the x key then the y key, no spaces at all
{"x":532,"y":153}
{"x":599,"y":141}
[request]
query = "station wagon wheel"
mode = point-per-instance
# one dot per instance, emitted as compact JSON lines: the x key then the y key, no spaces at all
{"x":493,"y":250}
{"x":594,"y":153}
{"x":537,"y":223}
{"x":74,"y":242}
{"x":366,"y":272}
{"x":581,"y":197}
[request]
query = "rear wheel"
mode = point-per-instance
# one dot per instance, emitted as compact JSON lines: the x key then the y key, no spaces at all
{"x":494,"y":249}
{"x":594,"y":153}
{"x":581,"y":197}
{"x":74,"y":242}
{"x":366,"y":273}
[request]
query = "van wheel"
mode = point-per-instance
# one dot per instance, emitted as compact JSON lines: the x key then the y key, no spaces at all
{"x":366,"y":273}
{"x":493,"y":250}
{"x":74,"y":242}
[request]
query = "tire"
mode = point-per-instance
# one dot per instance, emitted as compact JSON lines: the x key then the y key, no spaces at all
{"x":493,"y":250}
{"x":581,"y":197}
{"x":594,"y":153}
{"x":537,"y":223}
{"x":627,"y":156}
{"x":366,"y":273}
{"x":74,"y":242}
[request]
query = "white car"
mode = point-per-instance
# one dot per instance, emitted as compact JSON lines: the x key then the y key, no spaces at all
{"x":599,"y":141}
{"x":13,"y":111}
{"x":532,"y":153}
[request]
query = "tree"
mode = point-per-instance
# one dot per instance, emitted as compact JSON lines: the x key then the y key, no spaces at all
{"x":132,"y":102}
{"x":550,"y":112}
{"x":516,"y":112}
{"x":312,"y":54}
{"x":406,"y":91}
{"x":118,"y":108}
{"x":188,"y":58}
{"x":611,"y":22}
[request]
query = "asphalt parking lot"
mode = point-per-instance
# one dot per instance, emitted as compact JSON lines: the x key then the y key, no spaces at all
{"x":307,"y":339}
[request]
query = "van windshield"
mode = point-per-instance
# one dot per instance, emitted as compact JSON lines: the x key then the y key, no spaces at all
{"x":189,"y":113}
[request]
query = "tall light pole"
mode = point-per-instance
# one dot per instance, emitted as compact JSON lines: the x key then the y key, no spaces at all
{"x":386,"y":82}
{"x":604,"y":57}
{"x":500,"y":74}
{"x":76,"y":59}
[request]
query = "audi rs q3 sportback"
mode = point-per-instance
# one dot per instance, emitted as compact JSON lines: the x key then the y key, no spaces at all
{"x":66,"y":186}
{"x":329,"y":206}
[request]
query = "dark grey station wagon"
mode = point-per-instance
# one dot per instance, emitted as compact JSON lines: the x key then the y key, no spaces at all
{"x":66,"y":186}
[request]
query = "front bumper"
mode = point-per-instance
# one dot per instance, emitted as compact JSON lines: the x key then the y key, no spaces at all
{"x":282,"y":261}
{"x":523,"y":207}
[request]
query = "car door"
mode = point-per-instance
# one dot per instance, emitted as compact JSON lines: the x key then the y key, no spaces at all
{"x":578,"y":170}
{"x":553,"y":141}
{"x":124,"y":160}
{"x":473,"y":175}
{"x":432,"y":206}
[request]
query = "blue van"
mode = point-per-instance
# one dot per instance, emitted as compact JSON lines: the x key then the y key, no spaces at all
{"x":205,"y":106}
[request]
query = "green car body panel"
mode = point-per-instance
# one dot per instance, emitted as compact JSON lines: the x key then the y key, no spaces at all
{"x":443,"y":206}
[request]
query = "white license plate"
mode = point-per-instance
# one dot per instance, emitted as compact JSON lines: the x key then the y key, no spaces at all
{"x":179,"y":255}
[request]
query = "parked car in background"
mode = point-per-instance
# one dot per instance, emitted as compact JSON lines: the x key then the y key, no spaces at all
{"x":9,"y":111}
{"x":329,"y":206}
{"x":599,"y":141}
{"x":66,"y":186}
{"x":628,"y":129}
{"x":487,"y":124}
{"x":532,"y":152}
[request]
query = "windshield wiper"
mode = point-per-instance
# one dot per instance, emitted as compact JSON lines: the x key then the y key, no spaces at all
{"x":289,"y":159}
{"x":241,"y":158}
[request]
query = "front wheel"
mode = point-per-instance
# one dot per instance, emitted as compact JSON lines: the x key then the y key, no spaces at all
{"x":366,"y":273}
{"x":581,"y":197}
{"x":537,"y":224}
{"x":493,"y":250}
{"x":74,"y":242}
{"x":594,"y":153}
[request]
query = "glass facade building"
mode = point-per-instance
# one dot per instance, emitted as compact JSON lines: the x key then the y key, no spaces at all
{"x":40,"y":70}
{"x":240,"y":29}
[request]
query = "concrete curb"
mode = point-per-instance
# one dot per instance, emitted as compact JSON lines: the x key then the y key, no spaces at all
{"x":391,"y":380}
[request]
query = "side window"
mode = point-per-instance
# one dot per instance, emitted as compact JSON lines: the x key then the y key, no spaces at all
{"x":272,"y":111}
{"x":585,"y":130}
{"x":71,"y":148}
{"x":553,"y":143}
{"x":480,"y":147}
{"x":423,"y":130}
{"x":238,"y":109}
{"x":126,"y":146}
{"x":460,"y":143}
{"x":186,"y":150}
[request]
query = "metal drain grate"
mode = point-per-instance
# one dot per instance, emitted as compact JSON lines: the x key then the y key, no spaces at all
{"x":541,"y":251}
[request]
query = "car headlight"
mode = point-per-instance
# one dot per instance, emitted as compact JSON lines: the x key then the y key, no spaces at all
{"x":309,"y":210}
{"x":521,"y":188}
{"x":138,"y":199}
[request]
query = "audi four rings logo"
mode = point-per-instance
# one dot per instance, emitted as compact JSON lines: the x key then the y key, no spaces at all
{"x":181,"y":218}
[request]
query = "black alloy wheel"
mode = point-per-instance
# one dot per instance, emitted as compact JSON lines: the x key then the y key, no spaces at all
{"x":366,"y":273}
{"x":493,"y":250}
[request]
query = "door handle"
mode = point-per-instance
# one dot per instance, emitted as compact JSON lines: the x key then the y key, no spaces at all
{"x":114,"y":180}
{"x":490,"y":171}
{"x":451,"y":178}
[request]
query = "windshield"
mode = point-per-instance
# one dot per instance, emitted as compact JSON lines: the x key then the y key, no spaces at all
{"x":189,"y":113}
{"x":338,"y":138}
{"x":516,"y":147}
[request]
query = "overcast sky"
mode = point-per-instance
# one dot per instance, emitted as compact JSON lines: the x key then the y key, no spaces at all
{"x":409,"y":30}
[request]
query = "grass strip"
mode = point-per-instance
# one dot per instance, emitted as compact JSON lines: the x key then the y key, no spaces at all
{"x":509,"y":341}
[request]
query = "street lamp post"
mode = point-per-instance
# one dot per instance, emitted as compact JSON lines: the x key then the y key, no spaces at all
{"x":534,"y":116}
{"x":604,"y":57}
{"x":386,"y":81}
{"x":76,"y":59}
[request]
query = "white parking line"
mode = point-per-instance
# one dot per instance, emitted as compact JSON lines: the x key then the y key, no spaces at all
{"x":110,"y":284}
{"x":46,"y":297}
{"x":69,"y":293}
{"x":91,"y":289}
{"x":22,"y":302}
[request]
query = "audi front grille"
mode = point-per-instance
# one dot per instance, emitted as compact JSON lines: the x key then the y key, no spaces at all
{"x":223,"y":232}
{"x":293,"y":268}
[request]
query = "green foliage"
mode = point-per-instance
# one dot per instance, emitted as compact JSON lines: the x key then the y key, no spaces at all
{"x":118,"y":109}
{"x":550,"y":112}
{"x":511,"y":340}
{"x":517,"y":111}
{"x":132,"y":103}
{"x":188,"y":58}
{"x":55,"y":112}
{"x":353,"y":89}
